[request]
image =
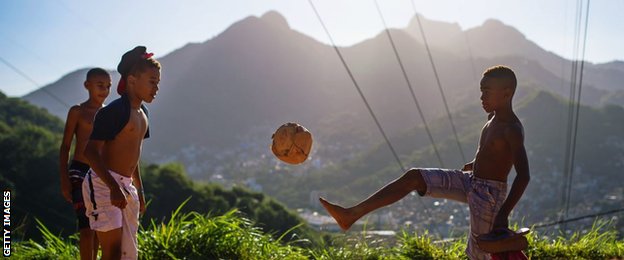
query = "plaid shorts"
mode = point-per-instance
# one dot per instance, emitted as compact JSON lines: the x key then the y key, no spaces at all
{"x":484,"y":198}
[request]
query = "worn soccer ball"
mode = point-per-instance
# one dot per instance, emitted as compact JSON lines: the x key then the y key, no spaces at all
{"x":291,"y":143}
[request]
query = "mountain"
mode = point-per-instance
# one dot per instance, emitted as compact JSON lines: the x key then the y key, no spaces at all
{"x":494,"y":39}
{"x":233,"y":90}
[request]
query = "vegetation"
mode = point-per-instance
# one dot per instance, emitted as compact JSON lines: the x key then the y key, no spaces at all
{"x":167,"y":186}
{"x":595,"y":244}
{"x":232,"y":236}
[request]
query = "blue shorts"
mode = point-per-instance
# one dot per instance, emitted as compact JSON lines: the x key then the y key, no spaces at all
{"x":484,"y":198}
{"x":77,"y":171}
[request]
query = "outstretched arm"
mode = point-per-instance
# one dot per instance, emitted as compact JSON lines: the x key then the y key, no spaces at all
{"x":515,"y":138}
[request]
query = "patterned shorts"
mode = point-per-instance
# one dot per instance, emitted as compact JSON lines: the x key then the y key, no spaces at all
{"x":484,"y":198}
{"x":77,"y":171}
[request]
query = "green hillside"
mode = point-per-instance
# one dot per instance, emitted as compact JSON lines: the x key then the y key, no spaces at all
{"x":29,"y":141}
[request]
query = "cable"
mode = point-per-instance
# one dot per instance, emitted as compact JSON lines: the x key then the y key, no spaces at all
{"x":396,"y":157}
{"x":435,"y":72}
{"x":31,"y":52}
{"x":541,"y":225}
{"x":370,"y":110}
{"x":409,"y":85}
{"x":83,"y":21}
{"x":18,"y":71}
{"x":578,"y":105}
{"x":566,"y":171}
{"x":396,"y":53}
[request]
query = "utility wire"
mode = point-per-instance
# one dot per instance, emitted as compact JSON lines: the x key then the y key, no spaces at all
{"x":31,"y":52}
{"x":472,"y":65}
{"x":409,"y":85}
{"x":435,"y":72}
{"x":21,"y":73}
{"x":573,"y":72}
{"x":396,"y":53}
{"x":94,"y":29}
{"x":578,"y":106}
{"x":541,"y":225}
{"x":357,"y":87}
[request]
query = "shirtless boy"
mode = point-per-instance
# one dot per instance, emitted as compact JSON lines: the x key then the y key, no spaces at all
{"x":481,"y":183}
{"x":113,"y":190}
{"x":79,"y":124}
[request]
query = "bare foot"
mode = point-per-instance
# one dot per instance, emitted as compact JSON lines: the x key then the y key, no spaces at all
{"x":343,"y":217}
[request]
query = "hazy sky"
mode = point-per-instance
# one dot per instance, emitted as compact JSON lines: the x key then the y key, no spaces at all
{"x":44,"y":40}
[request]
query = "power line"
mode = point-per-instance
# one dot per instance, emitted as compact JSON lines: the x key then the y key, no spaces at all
{"x":574,"y":68}
{"x":31,"y":52}
{"x":573,"y":114}
{"x":578,"y":105}
{"x":541,"y":225}
{"x":396,"y":53}
{"x":409,"y":85}
{"x":18,"y":71}
{"x":370,"y":110}
{"x":357,"y":87}
{"x":83,"y":21}
{"x":435,"y":72}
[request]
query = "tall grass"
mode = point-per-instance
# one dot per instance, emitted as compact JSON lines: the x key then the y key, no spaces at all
{"x":601,"y":242}
{"x":231,"y":236}
{"x":421,"y":246}
{"x":195,"y":236}
{"x":54,"y":247}
{"x":345,"y":247}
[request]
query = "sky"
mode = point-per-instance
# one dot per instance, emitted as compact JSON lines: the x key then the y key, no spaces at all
{"x":40,"y":41}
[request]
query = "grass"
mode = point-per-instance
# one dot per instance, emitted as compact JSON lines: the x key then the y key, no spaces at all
{"x":54,"y":247}
{"x":597,"y":243}
{"x":195,"y":236}
{"x":183,"y":236}
{"x":231,"y":236}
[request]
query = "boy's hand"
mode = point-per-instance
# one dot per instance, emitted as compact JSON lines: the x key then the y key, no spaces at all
{"x":66,"y":189}
{"x":118,"y":198}
{"x":500,"y":221}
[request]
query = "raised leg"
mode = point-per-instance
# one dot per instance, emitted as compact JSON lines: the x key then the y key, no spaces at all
{"x":391,"y":193}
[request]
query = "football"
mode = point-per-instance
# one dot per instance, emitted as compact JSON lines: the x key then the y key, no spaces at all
{"x":291,"y":143}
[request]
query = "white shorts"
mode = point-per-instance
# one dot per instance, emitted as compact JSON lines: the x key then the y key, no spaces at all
{"x":103,"y":216}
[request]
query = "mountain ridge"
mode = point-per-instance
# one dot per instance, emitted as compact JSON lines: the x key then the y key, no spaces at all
{"x":259,"y":73}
